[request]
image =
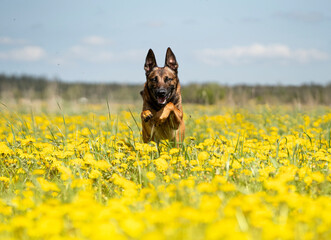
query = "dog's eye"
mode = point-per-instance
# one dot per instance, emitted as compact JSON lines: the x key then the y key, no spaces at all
{"x":154,"y":79}
{"x":167,"y":79}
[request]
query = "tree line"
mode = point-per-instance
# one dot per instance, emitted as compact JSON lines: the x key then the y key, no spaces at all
{"x":16,"y":87}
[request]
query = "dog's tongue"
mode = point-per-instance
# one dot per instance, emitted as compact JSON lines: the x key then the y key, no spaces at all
{"x":161,"y":100}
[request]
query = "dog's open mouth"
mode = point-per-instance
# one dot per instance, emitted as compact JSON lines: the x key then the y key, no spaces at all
{"x":162,"y":100}
{"x":162,"y":96}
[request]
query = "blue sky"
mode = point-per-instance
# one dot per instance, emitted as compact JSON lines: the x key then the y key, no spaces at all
{"x":229,"y":42}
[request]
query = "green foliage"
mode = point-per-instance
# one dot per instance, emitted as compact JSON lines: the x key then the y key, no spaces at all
{"x":29,"y":87}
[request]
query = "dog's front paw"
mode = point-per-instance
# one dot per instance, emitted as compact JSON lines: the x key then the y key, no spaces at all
{"x":146,"y":115}
{"x":164,"y":116}
{"x":160,"y":121}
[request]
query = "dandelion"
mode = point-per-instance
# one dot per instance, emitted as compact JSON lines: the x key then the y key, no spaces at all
{"x":133,"y":227}
{"x":38,"y":172}
{"x":161,"y":164}
{"x":47,"y":186}
{"x":95,"y":174}
{"x":173,"y":151}
{"x":5,"y":180}
{"x":236,"y":165}
{"x":202,"y":157}
{"x":175,"y":176}
{"x":308,"y":180}
{"x":318,"y":177}
{"x":5,"y":150}
{"x":167,"y":178}
{"x":150,"y":176}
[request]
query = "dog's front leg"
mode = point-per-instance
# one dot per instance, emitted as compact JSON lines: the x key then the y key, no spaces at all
{"x":146,"y":120}
{"x":147,"y":125}
{"x":146,"y":115}
{"x":176,"y":115}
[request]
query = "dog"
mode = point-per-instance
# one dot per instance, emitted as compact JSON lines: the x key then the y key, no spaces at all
{"x":162,"y":113}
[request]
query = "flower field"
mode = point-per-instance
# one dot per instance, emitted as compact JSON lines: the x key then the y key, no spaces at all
{"x":242,"y":173}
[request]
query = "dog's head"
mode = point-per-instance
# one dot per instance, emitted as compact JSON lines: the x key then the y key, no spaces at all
{"x":161,"y":81}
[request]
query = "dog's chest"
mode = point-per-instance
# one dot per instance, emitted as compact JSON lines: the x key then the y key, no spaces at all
{"x":164,"y":131}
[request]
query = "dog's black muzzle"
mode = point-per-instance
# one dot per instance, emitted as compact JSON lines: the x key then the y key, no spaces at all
{"x":161,"y":92}
{"x":161,"y":96}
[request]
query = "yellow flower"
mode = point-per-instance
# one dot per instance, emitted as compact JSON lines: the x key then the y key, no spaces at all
{"x":194,"y":162}
{"x":166,"y":178}
{"x":77,"y":183}
{"x":4,"y":180}
{"x":236,"y":164}
{"x":151,"y":176}
{"x":4,"y":209}
{"x":102,"y":164}
{"x":95,"y":174}
{"x":47,"y":186}
{"x":133,"y":226}
{"x":161,"y":164}
{"x":202,"y":157}
{"x":175,"y":176}
{"x":228,"y":187}
{"x":5,"y":150}
{"x":38,"y":172}
{"x":308,"y":180}
{"x":173,"y":151}
{"x":317,"y":176}
{"x":206,"y":188}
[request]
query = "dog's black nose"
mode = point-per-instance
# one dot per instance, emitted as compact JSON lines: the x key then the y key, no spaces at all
{"x":161,"y":92}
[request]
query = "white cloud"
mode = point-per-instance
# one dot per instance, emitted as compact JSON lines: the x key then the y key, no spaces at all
{"x":259,"y":52}
{"x":27,"y":53}
{"x":155,"y":24}
{"x":304,"y":17}
{"x":96,"y":49}
{"x":90,"y":54}
{"x":96,"y":40}
{"x":11,"y":41}
{"x":94,"y":54}
{"x":134,"y":55}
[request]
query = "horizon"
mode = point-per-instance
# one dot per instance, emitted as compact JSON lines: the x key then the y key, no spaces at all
{"x":45,"y":78}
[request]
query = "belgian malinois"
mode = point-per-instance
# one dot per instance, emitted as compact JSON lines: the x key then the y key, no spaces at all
{"x":162,"y":115}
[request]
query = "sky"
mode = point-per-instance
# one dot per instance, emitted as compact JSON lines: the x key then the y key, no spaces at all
{"x":228,"y":42}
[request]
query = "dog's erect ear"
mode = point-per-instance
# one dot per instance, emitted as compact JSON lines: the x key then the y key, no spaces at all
{"x":150,"y":62}
{"x":170,"y":60}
